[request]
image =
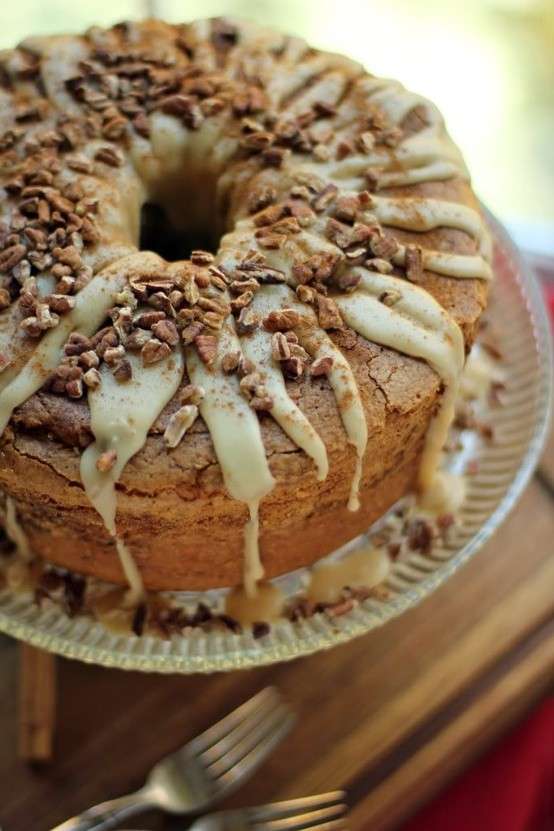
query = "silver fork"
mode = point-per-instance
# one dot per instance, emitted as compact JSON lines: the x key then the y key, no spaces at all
{"x":324,"y":812}
{"x":204,"y":770}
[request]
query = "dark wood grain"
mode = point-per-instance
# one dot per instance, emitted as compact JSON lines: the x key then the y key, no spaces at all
{"x":391,"y":716}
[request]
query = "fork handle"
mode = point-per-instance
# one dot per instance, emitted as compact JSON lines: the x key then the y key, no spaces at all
{"x":108,"y":814}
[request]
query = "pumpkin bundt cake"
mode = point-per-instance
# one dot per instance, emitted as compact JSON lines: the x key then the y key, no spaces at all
{"x":238,"y":280}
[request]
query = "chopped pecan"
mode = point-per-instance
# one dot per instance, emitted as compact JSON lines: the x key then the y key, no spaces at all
{"x":282,"y":319}
{"x":261,"y":402}
{"x":77,"y":344}
{"x":347,"y":207}
{"x":280,"y":348}
{"x":305,"y":294}
{"x":366,"y":142}
{"x":199,"y":257}
{"x":270,"y":215}
{"x":79,"y":162}
{"x":92,"y":378}
{"x":192,"y":331}
{"x":112,"y":354}
{"x":191,"y":394}
{"x":328,"y":313}
{"x":74,"y":388}
{"x":146,"y":320}
{"x":247,"y":322}
{"x":61,"y":303}
{"x":420,"y":536}
{"x":270,"y":241}
{"x":166,"y":331}
{"x":110,"y":156}
{"x":293,"y":368}
{"x":179,"y":423}
{"x":137,"y":339}
{"x":88,"y":359}
{"x":45,"y":318}
{"x":324,"y":198}
{"x":10,"y":256}
{"x":275,"y":156}
{"x":256,"y":142}
{"x":191,"y":292}
{"x":260,"y":199}
{"x":413,"y":263}
{"x":230,"y":362}
{"x":348,"y":280}
{"x":106,"y":461}
{"x":321,"y":366}
{"x":384,"y":246}
{"x":207,"y":347}
{"x":338,"y":233}
{"x":242,"y":301}
{"x":153,"y":351}
{"x":122,"y":370}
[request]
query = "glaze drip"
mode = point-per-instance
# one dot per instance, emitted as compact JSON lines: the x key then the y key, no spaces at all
{"x":121,"y":416}
{"x":236,"y":435}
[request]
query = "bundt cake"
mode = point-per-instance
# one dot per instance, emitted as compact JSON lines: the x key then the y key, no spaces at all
{"x":282,"y":366}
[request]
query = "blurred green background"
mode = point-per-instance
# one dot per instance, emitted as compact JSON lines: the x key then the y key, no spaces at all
{"x":489,"y":65}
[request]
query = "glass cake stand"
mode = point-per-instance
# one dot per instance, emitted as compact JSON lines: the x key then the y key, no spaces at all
{"x":504,"y":469}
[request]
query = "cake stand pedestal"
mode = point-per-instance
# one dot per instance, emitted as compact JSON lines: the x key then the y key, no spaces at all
{"x":37,"y":703}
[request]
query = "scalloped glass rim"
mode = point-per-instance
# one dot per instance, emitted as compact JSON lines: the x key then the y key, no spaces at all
{"x":505,"y":471}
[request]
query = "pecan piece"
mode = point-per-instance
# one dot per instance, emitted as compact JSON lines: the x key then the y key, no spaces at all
{"x":106,"y":461}
{"x":280,"y":348}
{"x":92,"y":378}
{"x":179,"y":423}
{"x":153,"y":351}
{"x":281,"y":320}
{"x":321,"y":366}
{"x":328,"y":313}
{"x":166,"y":331}
{"x":110,"y":156}
{"x":413,"y":263}
{"x":207,"y":347}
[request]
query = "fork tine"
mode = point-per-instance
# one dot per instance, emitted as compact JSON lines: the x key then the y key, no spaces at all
{"x":310,"y":819}
{"x":218,"y":730}
{"x":332,"y":825}
{"x":232,"y":757}
{"x":242,"y":730}
{"x":254,"y":757}
{"x":278,"y":810}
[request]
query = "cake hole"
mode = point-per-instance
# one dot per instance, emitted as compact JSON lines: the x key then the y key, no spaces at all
{"x":158,"y":234}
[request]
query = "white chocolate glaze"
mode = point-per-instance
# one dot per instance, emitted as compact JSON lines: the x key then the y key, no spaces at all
{"x":418,"y":326}
{"x":445,"y":495}
{"x":91,"y":307}
{"x":318,"y":344}
{"x":363,"y":568}
{"x":121,"y":416}
{"x":266,"y":605}
{"x":292,"y":420}
{"x":235,"y":432}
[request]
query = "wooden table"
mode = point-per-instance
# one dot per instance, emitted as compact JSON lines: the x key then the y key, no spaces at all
{"x":391,"y":716}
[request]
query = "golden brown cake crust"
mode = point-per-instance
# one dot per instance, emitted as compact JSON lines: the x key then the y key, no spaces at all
{"x":174,"y":512}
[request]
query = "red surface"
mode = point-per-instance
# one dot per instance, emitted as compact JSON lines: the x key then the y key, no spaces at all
{"x":549,"y":291}
{"x":509,"y":789}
